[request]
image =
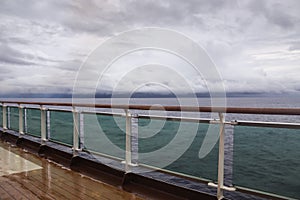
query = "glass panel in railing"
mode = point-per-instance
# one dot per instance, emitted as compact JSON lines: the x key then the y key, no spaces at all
{"x":33,"y":121}
{"x":61,"y":127}
{"x":105,"y":134}
{"x":14,"y":118}
{"x":267,"y":159}
{"x":1,"y":116}
{"x":175,"y":146}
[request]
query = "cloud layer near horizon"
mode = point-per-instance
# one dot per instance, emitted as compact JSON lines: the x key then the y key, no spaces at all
{"x":254,"y":44}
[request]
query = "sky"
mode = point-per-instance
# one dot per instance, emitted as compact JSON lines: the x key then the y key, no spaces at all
{"x":255,"y":44}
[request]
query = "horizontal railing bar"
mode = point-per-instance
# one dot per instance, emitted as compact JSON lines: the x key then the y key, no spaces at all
{"x":262,"y":194}
{"x":103,"y":154}
{"x":58,"y":110}
{"x":194,"y":178}
{"x":59,"y":142}
{"x":16,"y":105}
{"x":32,"y":135}
{"x":13,"y":106}
{"x":266,"y":124}
{"x":224,"y":187}
{"x":103,"y":113}
{"x":171,"y":118}
{"x":266,"y":111}
{"x":33,"y":108}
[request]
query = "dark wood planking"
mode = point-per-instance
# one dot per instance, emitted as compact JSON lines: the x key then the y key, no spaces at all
{"x":92,"y":188}
{"x":37,"y":178}
{"x":13,"y":192}
{"x":73,"y":182}
{"x":46,"y":182}
{"x":54,"y":182}
{"x":23,"y":191}
{"x":98,"y":189}
{"x":40,"y":194}
{"x":52,"y":187}
{"x":4,"y":194}
{"x":37,"y":185}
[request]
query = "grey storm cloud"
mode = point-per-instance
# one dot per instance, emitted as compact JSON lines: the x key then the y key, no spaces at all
{"x":51,"y":39}
{"x":103,"y":17}
{"x":295,"y":46}
{"x":277,"y":13}
{"x":9,"y":55}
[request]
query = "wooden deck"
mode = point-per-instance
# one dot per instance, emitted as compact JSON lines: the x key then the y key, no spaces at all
{"x":36,"y":178}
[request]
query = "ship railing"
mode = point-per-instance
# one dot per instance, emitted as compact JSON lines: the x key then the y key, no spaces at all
{"x":15,"y":116}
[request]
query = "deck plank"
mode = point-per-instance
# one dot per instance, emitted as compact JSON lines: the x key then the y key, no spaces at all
{"x":13,"y":192}
{"x":23,"y":191}
{"x":52,"y":182}
{"x":40,"y":194}
{"x":3,"y":193}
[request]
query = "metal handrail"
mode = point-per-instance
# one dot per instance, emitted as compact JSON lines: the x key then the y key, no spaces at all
{"x":266,"y":124}
{"x":275,"y":111}
{"x":233,"y":110}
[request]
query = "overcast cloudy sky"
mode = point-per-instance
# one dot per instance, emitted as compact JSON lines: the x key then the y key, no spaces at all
{"x":254,"y":43}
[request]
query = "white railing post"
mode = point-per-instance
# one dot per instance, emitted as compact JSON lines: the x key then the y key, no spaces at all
{"x":221,"y":158}
{"x":75,"y":131}
{"x":8,"y":117}
{"x":43,"y":125}
{"x":4,"y":116}
{"x":134,"y":140}
{"x":81,"y":130}
{"x":48,"y":124}
{"x":21,"y":120}
{"x":25,"y":120}
{"x":128,"y":141}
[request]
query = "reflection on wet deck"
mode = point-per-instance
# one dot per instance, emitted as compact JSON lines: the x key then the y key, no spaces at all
{"x":26,"y":176}
{"x":11,"y":163}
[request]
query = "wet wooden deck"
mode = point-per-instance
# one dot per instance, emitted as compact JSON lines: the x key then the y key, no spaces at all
{"x":32,"y":177}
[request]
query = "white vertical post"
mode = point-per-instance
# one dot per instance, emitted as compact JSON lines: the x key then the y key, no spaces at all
{"x":128,"y":141}
{"x":134,"y":140}
{"x":48,"y":124}
{"x":221,"y":158}
{"x":21,"y":120}
{"x":8,"y":117}
{"x":75,"y":131}
{"x":4,"y":117}
{"x":25,"y":121}
{"x":43,"y":125}
{"x":81,"y":131}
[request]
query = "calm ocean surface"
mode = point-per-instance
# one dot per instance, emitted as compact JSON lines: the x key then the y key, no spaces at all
{"x":266,"y":159}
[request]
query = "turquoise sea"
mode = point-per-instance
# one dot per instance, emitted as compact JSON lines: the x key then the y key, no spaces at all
{"x":265,"y":159}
